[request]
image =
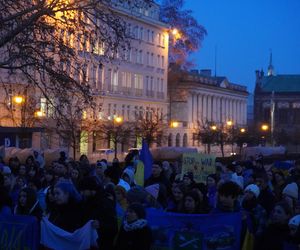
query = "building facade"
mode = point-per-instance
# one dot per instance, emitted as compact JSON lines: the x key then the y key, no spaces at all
{"x":197,"y":98}
{"x":129,"y":86}
{"x":277,"y":105}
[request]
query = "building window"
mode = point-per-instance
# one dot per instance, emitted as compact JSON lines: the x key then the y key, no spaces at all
{"x":184,"y":143}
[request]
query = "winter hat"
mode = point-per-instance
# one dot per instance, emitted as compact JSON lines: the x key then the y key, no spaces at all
{"x":6,"y":170}
{"x":153,"y":190}
{"x":130,"y":173}
{"x":124,"y":185}
{"x":138,"y":209}
{"x":291,"y":190}
{"x":238,"y":180}
{"x":136,"y":194}
{"x":254,"y":189}
{"x":295,"y":221}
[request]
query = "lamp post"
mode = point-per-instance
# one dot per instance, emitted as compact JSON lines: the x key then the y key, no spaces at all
{"x":265,"y":129}
{"x":117,"y":121}
{"x":231,"y":129}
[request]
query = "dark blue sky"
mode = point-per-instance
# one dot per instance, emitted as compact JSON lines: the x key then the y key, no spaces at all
{"x":244,"y":31}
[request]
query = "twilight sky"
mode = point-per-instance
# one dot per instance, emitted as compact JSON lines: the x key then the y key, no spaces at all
{"x":244,"y":31}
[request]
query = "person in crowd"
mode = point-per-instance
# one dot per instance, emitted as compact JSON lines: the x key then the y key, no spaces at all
{"x":158,"y":176}
{"x":192,"y":203}
{"x":266,"y":197}
{"x":135,"y":234}
{"x":188,"y":181}
{"x":5,"y":200}
{"x":61,"y":171}
{"x":211,"y":184}
{"x":62,"y":157}
{"x":84,"y":160}
{"x":19,"y":185}
{"x":128,"y":176}
{"x":101,"y":166}
{"x":8,"y":182}
{"x":227,"y":201}
{"x":201,"y":190}
{"x":111,"y":175}
{"x":255,"y":215}
{"x":278,"y":184}
{"x":75,"y":175}
{"x":50,"y":203}
{"x":157,"y":196}
{"x":67,"y":213}
{"x":137,"y":194}
{"x":22,"y":171}
{"x":98,"y":207}
{"x":294,"y":226}
{"x":175,"y":201}
{"x":28,"y":204}
{"x":39,"y":158}
{"x":121,"y":197}
{"x":277,"y":231}
{"x":48,"y":178}
{"x":290,"y":195}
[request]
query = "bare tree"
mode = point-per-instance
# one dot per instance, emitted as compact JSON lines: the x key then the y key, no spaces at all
{"x":114,"y":131}
{"x":206,"y":133}
{"x":151,"y":127}
{"x":187,"y":34}
{"x":50,"y":44}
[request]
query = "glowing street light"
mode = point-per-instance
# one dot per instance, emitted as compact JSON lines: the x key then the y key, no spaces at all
{"x":175,"y":32}
{"x":229,"y":123}
{"x":213,"y":127}
{"x":264,"y":127}
{"x":174,"y":124}
{"x":18,"y":99}
{"x":39,"y":113}
{"x":118,"y":119}
{"x":243,"y":130}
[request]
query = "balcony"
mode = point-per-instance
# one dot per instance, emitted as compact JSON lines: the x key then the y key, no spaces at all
{"x":150,"y":93}
{"x":138,"y":92}
{"x":160,"y":95}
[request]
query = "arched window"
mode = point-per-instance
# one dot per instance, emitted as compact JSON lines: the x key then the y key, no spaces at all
{"x":184,"y":143}
{"x":170,"y":140}
{"x":178,"y":140}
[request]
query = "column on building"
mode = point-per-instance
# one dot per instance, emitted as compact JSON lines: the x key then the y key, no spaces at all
{"x":204,"y":108}
{"x":200,"y":108}
{"x":218,"y":109}
{"x":244,"y":113}
{"x":195,"y":108}
{"x":234,"y":114}
{"x":215,"y":109}
{"x":208,"y":108}
{"x":240,"y":112}
{"x":190,"y":109}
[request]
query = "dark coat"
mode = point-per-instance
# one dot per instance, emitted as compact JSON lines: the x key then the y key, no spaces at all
{"x":139,"y":239}
{"x":68,"y":217}
{"x":102,"y":209}
{"x":267,"y":200}
{"x":273,"y":238}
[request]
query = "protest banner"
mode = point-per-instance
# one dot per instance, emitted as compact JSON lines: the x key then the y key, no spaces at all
{"x":183,"y":231}
{"x":19,"y":232}
{"x":200,"y":164}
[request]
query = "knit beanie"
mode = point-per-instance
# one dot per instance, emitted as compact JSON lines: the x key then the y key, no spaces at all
{"x":253,"y":189}
{"x":291,"y":190}
{"x":138,"y":209}
{"x":295,"y":221}
{"x":124,"y":185}
{"x":189,"y":175}
{"x":153,"y":190}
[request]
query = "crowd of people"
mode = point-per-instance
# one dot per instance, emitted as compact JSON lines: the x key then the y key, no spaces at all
{"x":70,"y":193}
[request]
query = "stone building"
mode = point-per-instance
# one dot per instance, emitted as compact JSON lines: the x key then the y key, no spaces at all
{"x":277,"y":105}
{"x":198,"y":97}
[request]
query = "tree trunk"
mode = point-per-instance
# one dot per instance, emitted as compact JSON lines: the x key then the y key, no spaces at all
{"x":208,"y":148}
{"x":222,"y":149}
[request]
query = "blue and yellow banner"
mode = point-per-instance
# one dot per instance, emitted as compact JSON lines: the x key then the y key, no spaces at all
{"x":19,"y":232}
{"x":206,"y":232}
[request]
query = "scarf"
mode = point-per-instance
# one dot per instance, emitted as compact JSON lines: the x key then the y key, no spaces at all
{"x":138,"y":224}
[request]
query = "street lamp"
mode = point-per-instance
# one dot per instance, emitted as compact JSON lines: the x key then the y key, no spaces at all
{"x":174,"y":124}
{"x":243,"y":130}
{"x":118,"y":120}
{"x":18,"y":99}
{"x":39,"y":113}
{"x":229,"y":123}
{"x":265,"y":127}
{"x":213,"y":127}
